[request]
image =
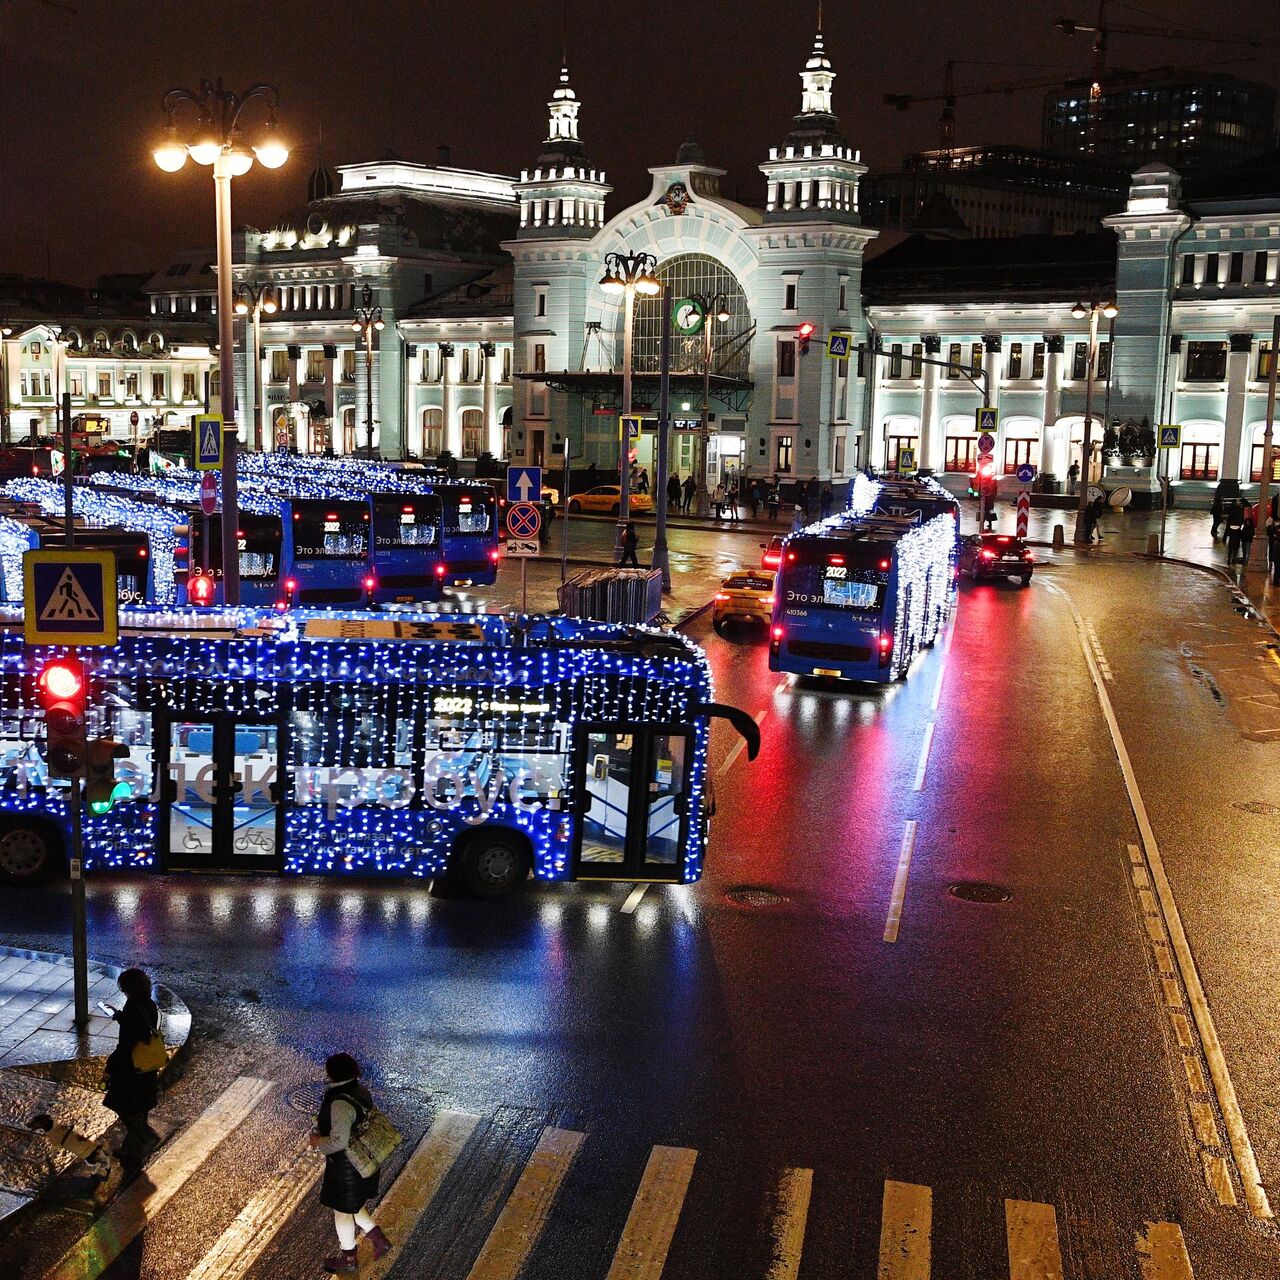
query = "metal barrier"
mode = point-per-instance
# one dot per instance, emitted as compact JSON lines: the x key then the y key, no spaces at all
{"x":613,"y":595}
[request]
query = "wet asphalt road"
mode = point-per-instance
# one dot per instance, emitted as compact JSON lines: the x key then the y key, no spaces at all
{"x":1021,"y":1050}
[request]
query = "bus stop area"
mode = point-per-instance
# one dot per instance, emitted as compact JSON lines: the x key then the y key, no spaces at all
{"x":48,"y":1066}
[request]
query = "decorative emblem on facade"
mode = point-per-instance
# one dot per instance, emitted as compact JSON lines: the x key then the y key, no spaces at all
{"x":676,"y":198}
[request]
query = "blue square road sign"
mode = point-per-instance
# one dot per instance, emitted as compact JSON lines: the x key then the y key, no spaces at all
{"x":524,"y":484}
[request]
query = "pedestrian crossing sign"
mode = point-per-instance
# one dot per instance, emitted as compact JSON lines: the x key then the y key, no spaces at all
{"x":69,"y":597}
{"x":988,"y":417}
{"x":208,"y":443}
{"x":632,"y":424}
{"x":906,"y":459}
{"x":1171,"y":436}
{"x":839,"y":344}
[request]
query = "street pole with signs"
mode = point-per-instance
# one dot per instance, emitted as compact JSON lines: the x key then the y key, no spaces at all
{"x":1168,"y":441}
{"x":661,"y":557}
{"x":1258,"y":555}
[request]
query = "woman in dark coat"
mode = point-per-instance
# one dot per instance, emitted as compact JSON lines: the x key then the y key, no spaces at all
{"x":343,"y":1190}
{"x":132,"y":1093}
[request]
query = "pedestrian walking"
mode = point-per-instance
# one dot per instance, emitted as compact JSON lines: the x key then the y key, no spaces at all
{"x":718,"y":500}
{"x":1233,"y":526}
{"x":592,"y":476}
{"x":673,"y":492}
{"x":1247,"y":533}
{"x":133,"y":1077}
{"x":732,"y":495}
{"x":64,"y":1137}
{"x":773,"y":501}
{"x":799,"y":518}
{"x":1097,"y":506}
{"x":346,"y":1102}
{"x":690,"y":488}
{"x":756,"y":494}
{"x":642,"y":481}
{"x":1216,"y":511}
{"x":826,"y":500}
{"x":1073,"y":477}
{"x":629,"y":541}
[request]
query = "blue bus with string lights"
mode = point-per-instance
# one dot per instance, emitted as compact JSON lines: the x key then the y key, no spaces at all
{"x":406,"y":745}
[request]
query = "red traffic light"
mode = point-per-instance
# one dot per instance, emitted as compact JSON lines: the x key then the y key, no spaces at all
{"x":200,"y":590}
{"x":986,"y":468}
{"x":61,"y":689}
{"x":805,"y":330}
{"x":61,"y":681}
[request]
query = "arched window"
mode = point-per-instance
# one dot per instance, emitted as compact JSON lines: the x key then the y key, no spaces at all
{"x":432,"y":433}
{"x":129,"y":342}
{"x":156,"y":340}
{"x":348,"y":430}
{"x":472,"y":433}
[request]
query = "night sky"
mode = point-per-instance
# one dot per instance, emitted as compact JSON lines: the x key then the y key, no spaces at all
{"x":80,"y":93}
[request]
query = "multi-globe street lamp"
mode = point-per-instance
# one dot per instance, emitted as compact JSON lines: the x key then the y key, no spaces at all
{"x":367,"y":322}
{"x":1093,"y":308}
{"x":217,"y":142}
{"x":252,"y":301}
{"x":628,"y":274}
{"x":714,"y":308}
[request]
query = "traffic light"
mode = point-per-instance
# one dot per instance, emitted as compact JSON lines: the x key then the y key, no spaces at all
{"x":804,"y":332}
{"x":61,"y":688}
{"x":200,"y":589}
{"x":101,"y":789}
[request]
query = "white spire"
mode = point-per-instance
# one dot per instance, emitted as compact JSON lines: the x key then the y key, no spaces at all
{"x":563,"y":111}
{"x":817,"y":78}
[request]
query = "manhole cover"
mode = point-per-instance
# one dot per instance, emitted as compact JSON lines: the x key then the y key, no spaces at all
{"x":1260,"y":807}
{"x":745,"y":896}
{"x":305,"y":1098}
{"x":978,"y":891}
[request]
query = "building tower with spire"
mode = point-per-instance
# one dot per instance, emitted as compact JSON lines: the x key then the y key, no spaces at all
{"x":814,"y":174}
{"x":562,"y":195}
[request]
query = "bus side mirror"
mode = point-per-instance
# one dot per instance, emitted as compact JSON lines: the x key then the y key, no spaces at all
{"x":743,"y":723}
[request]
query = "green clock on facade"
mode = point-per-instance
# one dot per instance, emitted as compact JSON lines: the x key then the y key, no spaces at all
{"x":687,"y":316}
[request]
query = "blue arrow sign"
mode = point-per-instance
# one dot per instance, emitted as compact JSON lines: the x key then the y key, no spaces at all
{"x":69,"y":597}
{"x":524,"y":484}
{"x":1026,"y":473}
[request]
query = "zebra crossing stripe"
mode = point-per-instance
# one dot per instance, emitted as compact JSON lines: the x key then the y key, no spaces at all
{"x":1162,"y":1253}
{"x":416,"y":1186}
{"x":255,"y":1226}
{"x":136,"y":1206}
{"x":795,"y":1189}
{"x":906,"y":1230}
{"x":1032,"y":1231}
{"x":642,"y":1251}
{"x":525,"y":1214}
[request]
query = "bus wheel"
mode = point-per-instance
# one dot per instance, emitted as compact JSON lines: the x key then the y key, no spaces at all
{"x":28,"y":852}
{"x":492,"y":864}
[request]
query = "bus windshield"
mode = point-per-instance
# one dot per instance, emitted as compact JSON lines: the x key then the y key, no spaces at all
{"x":837,"y":575}
{"x":405,"y":520}
{"x":468,"y":510}
{"x":258,"y":537}
{"x":330,"y":530}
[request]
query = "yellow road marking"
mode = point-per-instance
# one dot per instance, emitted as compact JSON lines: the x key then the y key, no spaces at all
{"x":525,"y":1214}
{"x":136,"y":1206}
{"x":795,"y":1189}
{"x":1182,"y":1029}
{"x":1162,"y":1253}
{"x":1195,"y":1077}
{"x":1204,"y":1124}
{"x":642,"y":1251}
{"x":1217,"y":1178}
{"x":417,"y":1185}
{"x":1032,"y":1231}
{"x":255,"y":1226}
{"x":900,"y":882}
{"x":906,"y":1230}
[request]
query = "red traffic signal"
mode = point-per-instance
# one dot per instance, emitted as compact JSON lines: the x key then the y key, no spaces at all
{"x":200,"y":589}
{"x":804,"y":332}
{"x":986,"y":468}
{"x":61,"y":689}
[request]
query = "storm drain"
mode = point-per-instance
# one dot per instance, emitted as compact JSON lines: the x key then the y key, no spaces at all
{"x":979,"y":891}
{"x":1261,"y":807}
{"x":746,"y":896}
{"x":305,"y":1098}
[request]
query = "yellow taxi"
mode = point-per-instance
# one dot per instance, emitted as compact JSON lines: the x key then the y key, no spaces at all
{"x":607,"y":499}
{"x":745,"y":596}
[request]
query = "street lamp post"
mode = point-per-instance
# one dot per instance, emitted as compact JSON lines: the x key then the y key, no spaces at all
{"x":628,"y":274}
{"x":1093,"y":309}
{"x":715,"y":308}
{"x":251,"y":301}
{"x":5,"y":333}
{"x":217,"y":142}
{"x":367,"y":322}
{"x":1268,"y":440}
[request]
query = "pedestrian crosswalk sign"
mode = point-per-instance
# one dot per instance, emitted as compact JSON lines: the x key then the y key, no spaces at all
{"x":906,"y":459}
{"x":839,"y":345}
{"x":632,"y":424}
{"x":1170,"y":436}
{"x":69,"y":597}
{"x":208,"y":442}
{"x":988,"y":417}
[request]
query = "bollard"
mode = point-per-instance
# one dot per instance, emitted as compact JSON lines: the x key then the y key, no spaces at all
{"x":1153,"y":544}
{"x":1059,"y":537}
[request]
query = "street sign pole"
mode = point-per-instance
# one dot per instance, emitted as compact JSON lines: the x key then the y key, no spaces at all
{"x":1264,"y":485}
{"x":524,"y":584}
{"x":66,"y":471}
{"x":1164,"y":494}
{"x":564,"y":499}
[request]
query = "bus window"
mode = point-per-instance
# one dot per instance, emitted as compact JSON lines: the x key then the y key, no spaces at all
{"x":666,"y":798}
{"x":405,"y":520}
{"x":468,"y":511}
{"x":330,"y":530}
{"x":850,"y":578}
{"x":608,"y":792}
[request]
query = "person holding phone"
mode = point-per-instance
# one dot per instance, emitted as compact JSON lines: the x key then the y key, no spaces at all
{"x":131,"y":1093}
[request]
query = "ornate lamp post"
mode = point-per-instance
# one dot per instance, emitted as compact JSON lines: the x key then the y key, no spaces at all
{"x":1093,"y":309}
{"x":253,"y":300}
{"x":627,"y":274}
{"x":367,"y":322}
{"x":217,"y":142}
{"x":715,"y":308}
{"x":5,"y":332}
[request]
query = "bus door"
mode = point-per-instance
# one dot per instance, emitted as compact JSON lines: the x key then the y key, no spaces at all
{"x":631,"y":786}
{"x":220,"y":808}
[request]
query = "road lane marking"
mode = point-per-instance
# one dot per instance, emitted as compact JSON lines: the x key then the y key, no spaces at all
{"x":416,"y":1186}
{"x":937,"y":688}
{"x":255,"y":1226}
{"x":1162,"y":1253}
{"x":525,"y":1214}
{"x":900,"y":882}
{"x":1032,"y":1232}
{"x":139,"y":1203}
{"x":633,"y":899}
{"x":1246,"y":1162}
{"x":642,"y":1250}
{"x":951,"y":635}
{"x":731,"y":759}
{"x":906,"y":1228}
{"x":1217,"y":1177}
{"x":924,"y":756}
{"x":795,"y":1189}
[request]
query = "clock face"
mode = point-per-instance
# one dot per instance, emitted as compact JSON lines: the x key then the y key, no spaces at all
{"x":688,"y":316}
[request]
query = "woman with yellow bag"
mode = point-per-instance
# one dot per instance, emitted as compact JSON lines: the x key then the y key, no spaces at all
{"x":133,"y":1069}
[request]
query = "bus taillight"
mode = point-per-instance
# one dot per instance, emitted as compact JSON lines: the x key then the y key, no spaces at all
{"x":495,"y":555}
{"x":440,"y":571}
{"x":886,"y":648}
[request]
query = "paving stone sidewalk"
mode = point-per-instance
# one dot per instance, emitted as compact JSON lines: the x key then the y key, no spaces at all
{"x":46,"y":1064}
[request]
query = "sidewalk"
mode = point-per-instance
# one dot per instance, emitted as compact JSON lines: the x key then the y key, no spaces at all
{"x":47,"y":1065}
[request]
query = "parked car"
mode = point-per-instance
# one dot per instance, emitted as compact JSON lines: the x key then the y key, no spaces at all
{"x":607,"y":499}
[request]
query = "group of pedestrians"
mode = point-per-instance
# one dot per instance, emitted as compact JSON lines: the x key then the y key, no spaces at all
{"x":1238,"y":521}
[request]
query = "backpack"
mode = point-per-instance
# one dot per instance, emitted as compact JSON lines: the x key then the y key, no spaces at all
{"x":373,"y":1139}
